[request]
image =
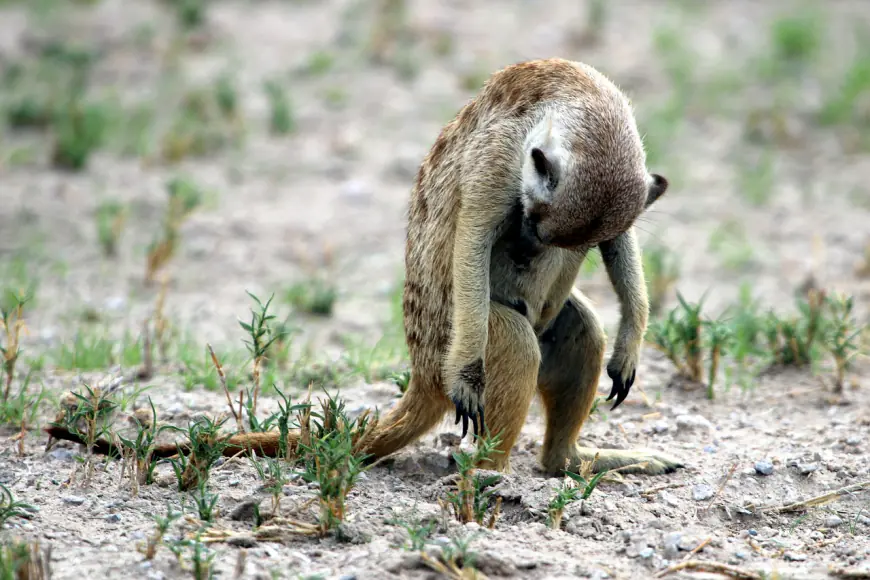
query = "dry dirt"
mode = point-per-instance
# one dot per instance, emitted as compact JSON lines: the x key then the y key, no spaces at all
{"x":338,"y":186}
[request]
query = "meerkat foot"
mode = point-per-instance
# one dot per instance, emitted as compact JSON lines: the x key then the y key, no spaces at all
{"x":642,"y":461}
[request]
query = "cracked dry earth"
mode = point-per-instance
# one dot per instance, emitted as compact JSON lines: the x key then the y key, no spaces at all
{"x":339,"y":186}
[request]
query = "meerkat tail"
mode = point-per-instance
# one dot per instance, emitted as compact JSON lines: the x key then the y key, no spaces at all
{"x":418,"y":411}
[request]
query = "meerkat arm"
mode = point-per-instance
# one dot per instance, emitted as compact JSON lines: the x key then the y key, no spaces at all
{"x":464,"y":370}
{"x":622,"y":258}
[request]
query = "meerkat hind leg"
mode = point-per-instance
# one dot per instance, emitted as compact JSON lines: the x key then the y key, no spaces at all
{"x":572,"y":356}
{"x":512,"y":361}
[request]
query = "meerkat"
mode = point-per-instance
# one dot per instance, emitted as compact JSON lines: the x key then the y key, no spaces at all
{"x":543,"y":165}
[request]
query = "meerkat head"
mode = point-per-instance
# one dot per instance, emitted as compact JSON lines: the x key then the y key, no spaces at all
{"x":584,"y":176}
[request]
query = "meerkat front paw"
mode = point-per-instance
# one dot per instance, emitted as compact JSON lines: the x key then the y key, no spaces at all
{"x":622,"y":370}
{"x":466,"y":392}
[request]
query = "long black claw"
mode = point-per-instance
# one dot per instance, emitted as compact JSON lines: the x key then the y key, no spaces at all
{"x":620,"y":387}
{"x":458,"y":415}
{"x":464,"y":426}
{"x":617,"y":382}
{"x":622,"y":395}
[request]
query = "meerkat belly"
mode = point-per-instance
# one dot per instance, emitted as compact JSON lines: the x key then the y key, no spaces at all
{"x":522,"y":271}
{"x":524,"y":285}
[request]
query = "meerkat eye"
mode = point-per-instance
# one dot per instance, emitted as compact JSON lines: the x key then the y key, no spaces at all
{"x":545,"y":168}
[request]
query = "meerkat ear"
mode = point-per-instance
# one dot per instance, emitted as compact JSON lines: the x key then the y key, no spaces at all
{"x":657,"y":188}
{"x":546,"y":168}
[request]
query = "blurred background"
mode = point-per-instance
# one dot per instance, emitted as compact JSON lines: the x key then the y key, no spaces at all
{"x":161,"y":158}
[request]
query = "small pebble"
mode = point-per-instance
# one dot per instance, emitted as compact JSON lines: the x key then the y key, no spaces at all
{"x":763,"y":467}
{"x":701,"y":492}
{"x":660,"y":426}
{"x":74,"y":499}
{"x":709,"y":449}
{"x":61,"y":454}
{"x":753,"y":532}
{"x":113,"y":518}
{"x":792,"y":557}
{"x":853,"y":440}
{"x":833,"y":521}
{"x":807,"y":468}
{"x":646,"y":553}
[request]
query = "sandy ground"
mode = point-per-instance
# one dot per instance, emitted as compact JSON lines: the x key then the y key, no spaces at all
{"x":331,"y":197}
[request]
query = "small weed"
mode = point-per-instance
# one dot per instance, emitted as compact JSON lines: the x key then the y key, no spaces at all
{"x":793,"y":341}
{"x":274,"y":479}
{"x":110,"y":216}
{"x":796,"y":39}
{"x":87,"y":416}
{"x":332,"y":457}
{"x":21,"y":408}
{"x":313,"y":296}
{"x":661,"y":270}
{"x":184,"y":197}
{"x":719,"y":337}
{"x":23,"y":560}
{"x":842,"y":336}
{"x":419,"y":530}
{"x":757,"y":180}
{"x":163,"y":523}
{"x":472,"y":499}
{"x":319,"y":63}
{"x":89,"y":351}
{"x":227,"y":97}
{"x":142,"y":446}
{"x":843,"y":105}
{"x":190,"y":14}
{"x":79,"y":131}
{"x":11,"y":323}
{"x":281,"y":118}
{"x":574,"y":487}
{"x":456,"y":561}
{"x":11,"y":507}
{"x":401,"y":379}
{"x":205,"y":502}
{"x":206,"y":446}
{"x":262,"y":336}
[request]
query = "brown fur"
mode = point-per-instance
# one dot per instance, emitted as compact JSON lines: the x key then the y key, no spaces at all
{"x":490,"y":314}
{"x":543,"y":165}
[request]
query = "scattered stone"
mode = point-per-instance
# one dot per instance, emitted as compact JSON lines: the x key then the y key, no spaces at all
{"x":807,"y":468}
{"x":833,"y":521}
{"x":242,"y":541}
{"x":74,"y":499}
{"x":113,"y":518}
{"x":710,"y":449}
{"x":661,"y":426}
{"x":702,"y":491}
{"x":61,"y":454}
{"x":792,"y":557}
{"x":672,"y":545}
{"x":853,"y":440}
{"x":646,"y":553}
{"x":763,"y":467}
{"x":753,"y":532}
{"x":692,"y":422}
